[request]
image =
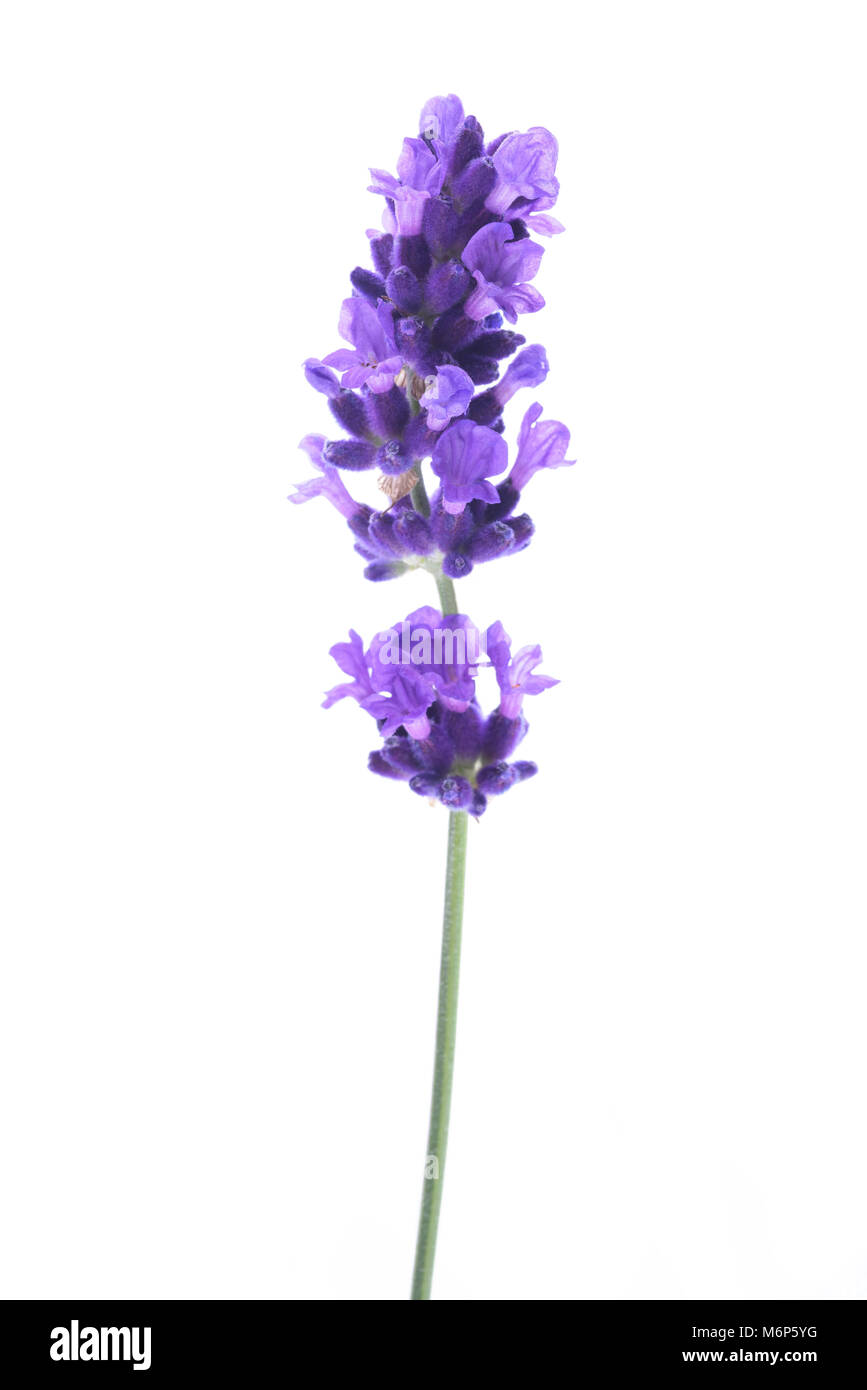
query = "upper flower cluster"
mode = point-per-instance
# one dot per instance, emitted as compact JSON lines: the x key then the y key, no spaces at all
{"x":425,"y":329}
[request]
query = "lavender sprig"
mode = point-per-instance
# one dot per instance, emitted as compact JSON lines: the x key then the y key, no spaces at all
{"x":422,"y":378}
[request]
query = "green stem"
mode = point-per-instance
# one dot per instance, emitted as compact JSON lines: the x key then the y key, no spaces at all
{"x":446,"y":591}
{"x":444,"y":1057}
{"x":445,"y":587}
{"x":447,"y":1008}
{"x":419,"y":497}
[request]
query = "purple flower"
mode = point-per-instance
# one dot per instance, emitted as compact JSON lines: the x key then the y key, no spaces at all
{"x":539,"y":446}
{"x":501,"y":266}
{"x":444,"y":650}
{"x":425,"y":658}
{"x":447,"y":394}
{"x":441,"y":119}
{"x":422,"y":167}
{"x":514,"y":673}
{"x":526,"y":182}
{"x":321,"y":378}
{"x":408,"y":213}
{"x":529,"y":368}
{"x":464,"y":456}
{"x":373,"y":358}
{"x":351,"y":659}
{"x":384,"y":183}
{"x":542,"y":225}
{"x":403,"y":704}
{"x":329,"y":484}
{"x":417,"y":681}
{"x":417,"y":167}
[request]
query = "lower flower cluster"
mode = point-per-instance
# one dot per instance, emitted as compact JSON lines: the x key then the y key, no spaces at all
{"x":417,"y":680}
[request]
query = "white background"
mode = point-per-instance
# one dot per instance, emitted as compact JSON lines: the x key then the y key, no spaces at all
{"x":221,"y":934}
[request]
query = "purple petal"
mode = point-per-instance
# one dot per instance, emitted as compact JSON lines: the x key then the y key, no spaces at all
{"x":351,"y":659}
{"x":418,"y":167}
{"x":409,"y":210}
{"x":441,"y":118}
{"x":540,"y":445}
{"x":447,"y":394}
{"x":483,"y":300}
{"x":525,"y":164}
{"x":457,"y":496}
{"x":464,"y":456}
{"x":320,"y":378}
{"x":484,"y":250}
{"x":543,"y":225}
{"x":381,"y":379}
{"x":329,"y":485}
{"x":529,"y":368}
{"x":501,"y":266}
{"x":341,"y":358}
{"x":383,"y":183}
{"x":313,"y":444}
{"x":520,"y":299}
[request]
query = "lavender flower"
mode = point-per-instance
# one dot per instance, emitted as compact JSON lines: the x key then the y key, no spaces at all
{"x":329,"y":484}
{"x":540,"y":445}
{"x":321,"y":378}
{"x":427,"y":375}
{"x":463,"y":459}
{"x":429,"y":641}
{"x":441,"y":119}
{"x":529,"y":368}
{"x":418,"y":681}
{"x":514,"y":673}
{"x":500,"y":267}
{"x":425,"y":327}
{"x":417,"y":168}
{"x":373,"y":358}
{"x":447,"y":394}
{"x":351,"y":660}
{"x":526,"y":183}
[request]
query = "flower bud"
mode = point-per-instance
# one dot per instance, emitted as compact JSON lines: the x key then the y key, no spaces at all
{"x":404,"y":289}
{"x":371,"y":286}
{"x":349,"y":453}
